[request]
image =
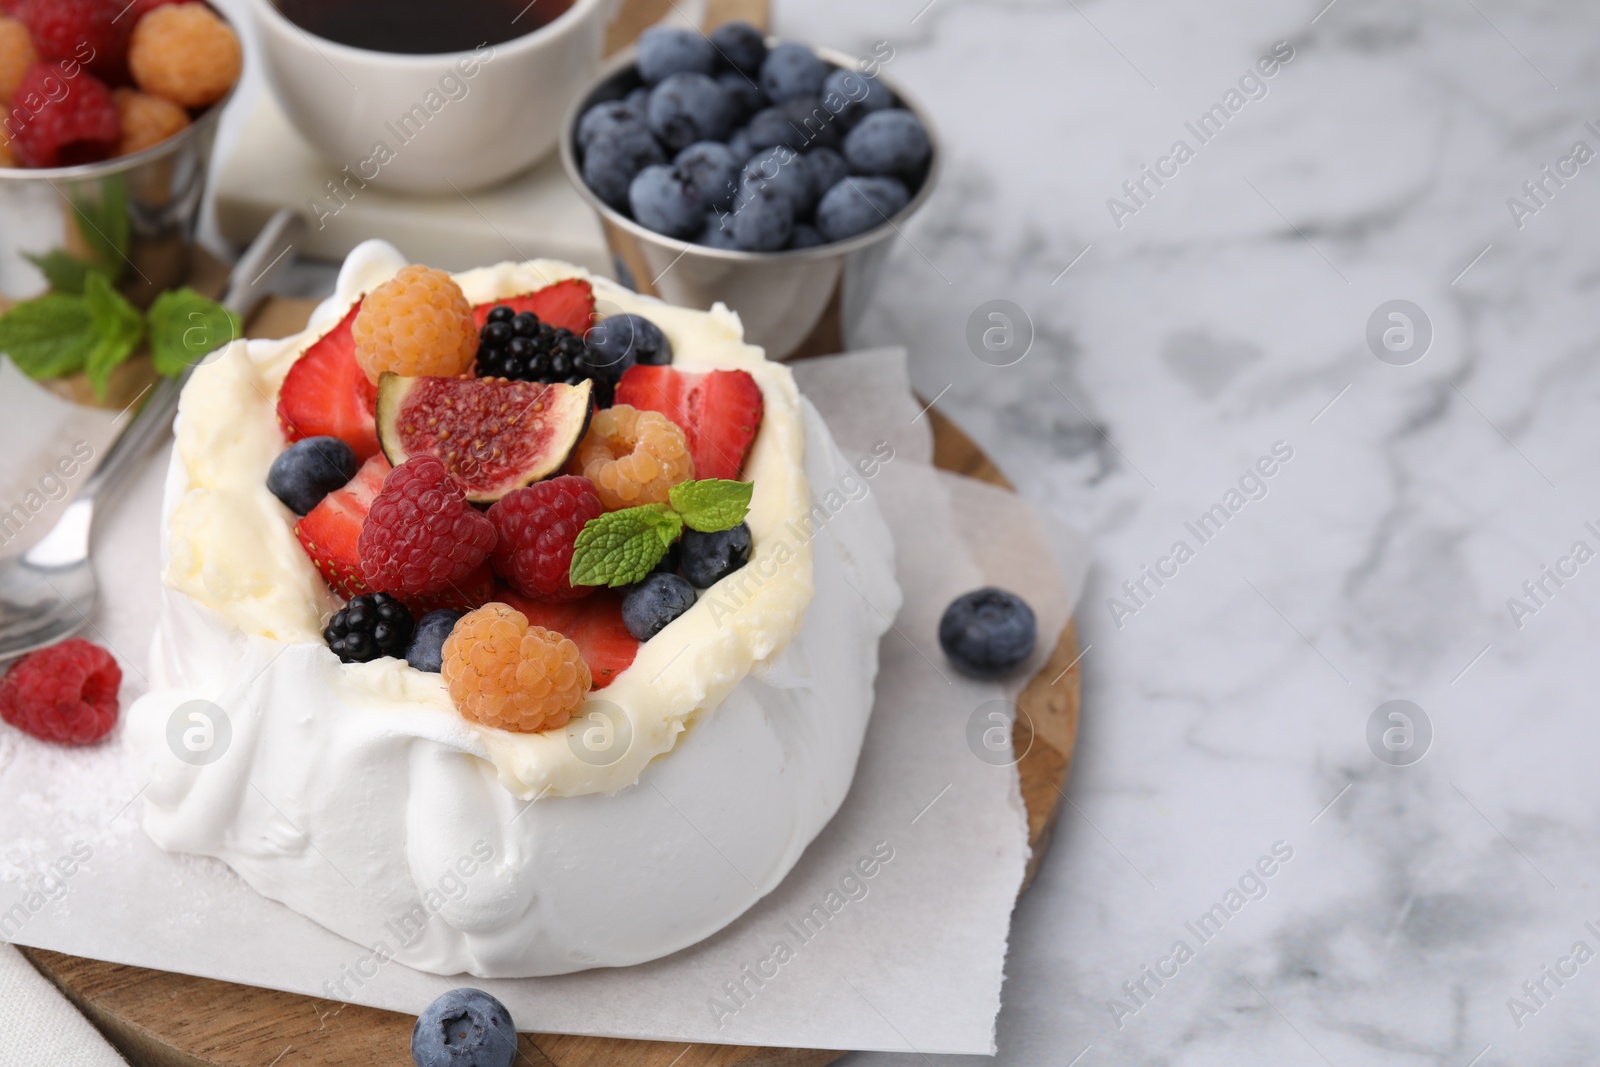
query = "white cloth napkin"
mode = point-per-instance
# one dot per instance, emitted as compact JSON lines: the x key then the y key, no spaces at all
{"x":39,"y":1027}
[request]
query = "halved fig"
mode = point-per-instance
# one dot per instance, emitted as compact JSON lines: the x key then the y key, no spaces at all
{"x":493,"y":435}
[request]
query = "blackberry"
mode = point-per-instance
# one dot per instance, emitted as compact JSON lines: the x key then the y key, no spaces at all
{"x":369,"y":627}
{"x":516,"y":345}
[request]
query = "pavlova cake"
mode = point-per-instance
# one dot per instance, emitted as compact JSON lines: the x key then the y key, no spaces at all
{"x":500,"y":629}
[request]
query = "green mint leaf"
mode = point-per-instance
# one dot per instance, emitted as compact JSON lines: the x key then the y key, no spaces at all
{"x":48,"y":337}
{"x":185,"y":327}
{"x":65,"y":273}
{"x":103,"y":224}
{"x":621,"y":547}
{"x":712,"y":504}
{"x":117,"y":326}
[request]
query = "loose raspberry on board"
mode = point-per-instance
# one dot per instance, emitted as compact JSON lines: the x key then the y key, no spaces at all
{"x":66,"y":693}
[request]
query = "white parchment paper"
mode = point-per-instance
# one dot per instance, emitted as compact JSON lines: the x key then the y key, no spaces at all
{"x":915,"y":964}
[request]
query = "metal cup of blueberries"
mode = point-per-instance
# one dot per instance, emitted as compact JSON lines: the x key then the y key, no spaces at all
{"x":767,"y":175}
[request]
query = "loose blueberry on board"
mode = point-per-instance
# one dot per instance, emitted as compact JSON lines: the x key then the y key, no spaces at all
{"x":792,"y":70}
{"x":654,"y":602}
{"x":741,"y":46}
{"x":368,"y":627}
{"x":856,"y":205}
{"x":852,"y":96}
{"x":890,"y":141}
{"x":710,"y":557}
{"x":464,"y":1028}
{"x":611,"y":162}
{"x":604,"y":120}
{"x":764,"y":220}
{"x":745,"y":97}
{"x":828,"y":169}
{"x":987,"y":632}
{"x":689,"y":107}
{"x":783,"y":169}
{"x":664,"y":51}
{"x":666,"y":200}
{"x":309,"y":470}
{"x":620,"y":341}
{"x":806,"y":236}
{"x":713,"y":171}
{"x":426,"y":651}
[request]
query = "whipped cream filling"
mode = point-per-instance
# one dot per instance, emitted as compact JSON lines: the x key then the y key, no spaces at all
{"x":355,"y":794}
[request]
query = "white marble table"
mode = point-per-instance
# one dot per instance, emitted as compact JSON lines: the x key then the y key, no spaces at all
{"x":1179,"y":339}
{"x":1229,"y":312}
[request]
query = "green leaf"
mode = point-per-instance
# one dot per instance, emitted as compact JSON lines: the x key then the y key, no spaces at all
{"x":65,"y":273}
{"x":103,"y":225}
{"x":185,"y":327}
{"x":50,"y":336}
{"x":117,"y":326}
{"x":712,"y":504}
{"x":621,"y":547}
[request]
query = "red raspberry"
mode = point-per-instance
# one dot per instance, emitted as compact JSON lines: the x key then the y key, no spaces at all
{"x":538,"y":526}
{"x":421,"y":536}
{"x":86,"y":31}
{"x":65,"y":693}
{"x":61,"y":118}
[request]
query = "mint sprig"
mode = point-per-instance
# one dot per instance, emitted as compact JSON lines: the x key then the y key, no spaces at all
{"x":622,"y":547}
{"x":97,"y":330}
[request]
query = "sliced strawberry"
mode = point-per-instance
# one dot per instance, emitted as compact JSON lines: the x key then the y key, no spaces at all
{"x":720,"y":412}
{"x":326,"y":393}
{"x":331,"y":531}
{"x":594,"y":624}
{"x":478,"y":590}
{"x":568,"y":304}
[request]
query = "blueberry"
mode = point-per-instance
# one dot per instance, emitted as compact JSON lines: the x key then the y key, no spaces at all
{"x":805,"y":236}
{"x":710,"y":557}
{"x":744,"y":96}
{"x":612,"y":161}
{"x":890,"y":141}
{"x":782,"y":169}
{"x":669,"y":562}
{"x":426,"y":652}
{"x":741,"y":46}
{"x":664,"y":52}
{"x":618,"y":342}
{"x":856,"y":205}
{"x":638,"y":101}
{"x":987,"y":632}
{"x":688,"y":107}
{"x":464,"y":1028}
{"x":603,"y":120}
{"x":368,"y":627}
{"x":653,"y":603}
{"x":664,"y":199}
{"x":801,"y":124}
{"x":792,"y":70}
{"x":852,"y":96}
{"x":712,"y":170}
{"x":739,"y":144}
{"x":717,"y":232}
{"x":309,"y":470}
{"x":763,"y":220}
{"x":828,"y":169}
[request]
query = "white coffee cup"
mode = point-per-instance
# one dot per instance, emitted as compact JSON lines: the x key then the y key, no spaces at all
{"x":432,"y":123}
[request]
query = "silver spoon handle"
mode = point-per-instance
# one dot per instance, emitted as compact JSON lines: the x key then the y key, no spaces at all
{"x":267,"y":255}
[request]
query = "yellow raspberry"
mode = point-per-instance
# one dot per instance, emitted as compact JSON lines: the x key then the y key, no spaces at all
{"x":186,"y":54}
{"x":17,"y":54}
{"x":146,"y":120}
{"x":633,"y":457}
{"x":416,"y":324}
{"x":507,"y":674}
